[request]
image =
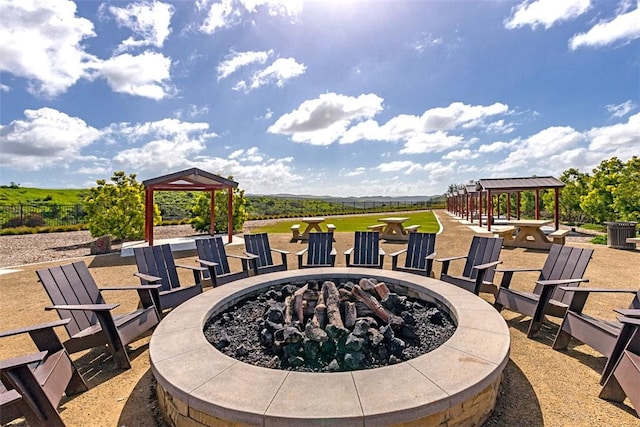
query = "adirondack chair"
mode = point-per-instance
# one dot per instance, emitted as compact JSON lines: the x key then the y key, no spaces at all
{"x":366,"y":250}
{"x":156,"y":266}
{"x":32,"y":385}
{"x":479,"y":268}
{"x":420,"y":254}
{"x":77,"y":297}
{"x":213,"y":256}
{"x":565,"y":265}
{"x":624,"y":379}
{"x":598,"y":334}
{"x":320,"y":251}
{"x":257,"y":245}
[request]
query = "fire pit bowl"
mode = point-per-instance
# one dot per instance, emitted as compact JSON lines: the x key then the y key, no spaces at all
{"x":457,"y":383}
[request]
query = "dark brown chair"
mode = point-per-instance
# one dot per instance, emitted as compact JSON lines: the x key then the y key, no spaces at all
{"x":33,"y":385}
{"x":77,"y":297}
{"x":624,"y":378}
{"x":420,"y":254}
{"x":320,"y":251}
{"x":479,"y":268}
{"x":257,"y":245}
{"x":156,"y":266}
{"x":366,"y":250}
{"x":564,"y":265}
{"x":599,"y":334}
{"x":213,"y":257}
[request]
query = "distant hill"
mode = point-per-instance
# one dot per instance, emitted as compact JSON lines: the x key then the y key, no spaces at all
{"x":378,"y":199}
{"x":25,"y":195}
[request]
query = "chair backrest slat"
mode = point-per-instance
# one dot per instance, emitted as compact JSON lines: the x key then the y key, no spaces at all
{"x":212,"y":249}
{"x":564,"y":262}
{"x":258,"y":244}
{"x":72,"y":284}
{"x":158,"y":261}
{"x":366,"y":248}
{"x":420,"y":245}
{"x":482,"y":251}
{"x":320,"y":245}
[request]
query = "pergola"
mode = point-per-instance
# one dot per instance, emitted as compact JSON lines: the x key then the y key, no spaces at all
{"x":188,"y":180}
{"x":498,"y":186}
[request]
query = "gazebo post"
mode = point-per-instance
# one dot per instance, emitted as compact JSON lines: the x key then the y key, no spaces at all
{"x":148,"y":215}
{"x":537,"y":203}
{"x":230,"y":215}
{"x":489,"y":209}
{"x":518,"y":203}
{"x":212,"y":208}
{"x":508,"y":206}
{"x":480,"y":209}
{"x":556,"y":213}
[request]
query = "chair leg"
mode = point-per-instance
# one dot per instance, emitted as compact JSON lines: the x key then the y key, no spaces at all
{"x":612,"y":390}
{"x":116,"y":347}
{"x":561,"y":342}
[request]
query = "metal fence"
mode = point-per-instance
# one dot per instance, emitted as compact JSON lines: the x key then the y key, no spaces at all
{"x":49,"y":214}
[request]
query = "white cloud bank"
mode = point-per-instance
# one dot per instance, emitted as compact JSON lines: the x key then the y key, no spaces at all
{"x":623,"y":28}
{"x":149,"y":21}
{"x":545,"y":13}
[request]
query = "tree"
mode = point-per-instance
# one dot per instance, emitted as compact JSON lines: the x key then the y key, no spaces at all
{"x":117,"y":208}
{"x":599,"y":201}
{"x":576,"y":186}
{"x":202,"y":211}
{"x":626,"y":194}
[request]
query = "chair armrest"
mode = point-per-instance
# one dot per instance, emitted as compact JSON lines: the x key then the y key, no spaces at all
{"x":381,"y":252}
{"x":451,"y":258}
{"x":192,"y":267}
{"x":560,"y":282}
{"x":25,"y":360}
{"x":398,"y":253}
{"x":431,"y":256}
{"x":487,"y":265}
{"x":348,"y":251}
{"x":627,"y":319}
{"x":207,"y":263}
{"x":131,"y":288}
{"x":516,"y":270}
{"x":333,"y":252}
{"x":32,"y":328}
{"x":246,"y":257}
{"x":302,"y":252}
{"x":601,"y":290}
{"x":84,"y":307}
{"x":280,"y":251}
{"x":628,"y":312}
{"x":148,"y":277}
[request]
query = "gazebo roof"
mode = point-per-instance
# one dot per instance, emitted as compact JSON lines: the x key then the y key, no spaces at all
{"x":190,"y":179}
{"x":520,"y":184}
{"x":470,"y":188}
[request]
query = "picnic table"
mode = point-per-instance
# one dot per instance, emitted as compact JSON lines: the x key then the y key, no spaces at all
{"x":392,"y":228}
{"x":312,"y":224}
{"x":529,"y":234}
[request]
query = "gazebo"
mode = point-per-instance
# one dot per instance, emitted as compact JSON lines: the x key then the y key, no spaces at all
{"x":188,"y":180}
{"x":498,"y":186}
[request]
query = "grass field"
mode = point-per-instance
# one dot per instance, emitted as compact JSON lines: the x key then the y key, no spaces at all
{"x":426,"y":220}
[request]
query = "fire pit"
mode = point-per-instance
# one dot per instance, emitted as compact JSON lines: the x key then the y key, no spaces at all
{"x":456,"y":383}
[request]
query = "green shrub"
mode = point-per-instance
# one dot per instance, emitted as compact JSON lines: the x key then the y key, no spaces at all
{"x":599,"y":240}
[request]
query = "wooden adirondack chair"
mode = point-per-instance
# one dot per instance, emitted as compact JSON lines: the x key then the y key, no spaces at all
{"x":257,"y":245}
{"x":213,"y":256}
{"x":366,"y":250}
{"x":598,"y":334}
{"x":32,"y":385}
{"x":320,"y":251}
{"x":565,"y":265}
{"x":77,"y":297}
{"x":479,"y":268}
{"x":156,"y":266}
{"x":624,"y":378}
{"x":420,"y":254}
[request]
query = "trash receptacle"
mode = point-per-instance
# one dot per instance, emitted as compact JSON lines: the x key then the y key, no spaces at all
{"x":618,"y":232}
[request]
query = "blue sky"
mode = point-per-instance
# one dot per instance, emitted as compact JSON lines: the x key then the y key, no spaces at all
{"x":333,"y":97}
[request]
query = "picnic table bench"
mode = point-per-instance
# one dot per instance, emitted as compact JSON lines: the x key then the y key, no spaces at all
{"x":558,"y":236}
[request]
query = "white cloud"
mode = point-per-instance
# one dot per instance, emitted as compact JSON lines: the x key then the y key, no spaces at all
{"x":323,"y":120}
{"x":464,"y":154}
{"x":227,"y":13}
{"x":150,"y":21}
{"x":430,"y":143}
{"x":396,"y":166}
{"x":545,"y":12}
{"x":42,"y":42}
{"x":4,"y":88}
{"x":620,"y":140}
{"x":43,"y":139}
{"x":495,"y":147}
{"x":165,"y":128}
{"x":353,"y":172}
{"x":623,"y":28}
{"x":621,"y":110}
{"x":143,"y":75}
{"x":237,"y":60}
{"x":281,"y":70}
{"x":458,"y":114}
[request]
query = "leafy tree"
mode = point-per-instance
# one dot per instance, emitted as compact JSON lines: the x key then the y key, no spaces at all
{"x":117,"y":208}
{"x":599,"y":201}
{"x":576,"y":186}
{"x":202,"y":211}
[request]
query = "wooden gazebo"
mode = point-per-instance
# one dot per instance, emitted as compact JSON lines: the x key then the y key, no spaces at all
{"x":188,"y":180}
{"x":493,"y":186}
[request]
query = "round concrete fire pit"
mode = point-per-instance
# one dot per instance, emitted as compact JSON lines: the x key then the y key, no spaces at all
{"x":455,"y":384}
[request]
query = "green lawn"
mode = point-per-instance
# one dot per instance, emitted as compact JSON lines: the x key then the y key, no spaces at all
{"x":425,"y":219}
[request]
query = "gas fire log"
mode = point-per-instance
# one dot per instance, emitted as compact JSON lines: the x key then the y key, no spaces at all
{"x":367,"y":284}
{"x":319,"y":319}
{"x":332,"y":300}
{"x":382,"y":290}
{"x":375,"y":306}
{"x":350,"y":314}
{"x":298,"y":303}
{"x":288,"y":310}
